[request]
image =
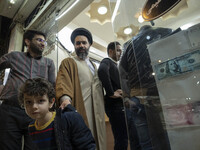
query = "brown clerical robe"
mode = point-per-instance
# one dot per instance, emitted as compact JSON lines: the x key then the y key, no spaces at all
{"x":87,"y":95}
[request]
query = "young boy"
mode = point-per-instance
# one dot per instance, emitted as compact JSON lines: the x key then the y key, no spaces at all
{"x":64,"y":129}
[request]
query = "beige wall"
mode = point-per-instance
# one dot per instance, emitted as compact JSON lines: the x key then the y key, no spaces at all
{"x":16,"y":38}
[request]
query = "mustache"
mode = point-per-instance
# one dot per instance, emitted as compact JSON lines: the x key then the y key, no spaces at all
{"x":81,"y":48}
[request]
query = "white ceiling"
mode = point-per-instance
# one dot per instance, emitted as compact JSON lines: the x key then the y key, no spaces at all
{"x":19,"y":11}
{"x":128,"y":11}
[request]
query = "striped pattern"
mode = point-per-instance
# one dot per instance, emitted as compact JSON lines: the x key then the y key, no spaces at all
{"x":24,"y":67}
{"x":44,"y":136}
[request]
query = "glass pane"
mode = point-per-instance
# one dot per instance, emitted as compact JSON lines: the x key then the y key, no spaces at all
{"x":159,"y":71}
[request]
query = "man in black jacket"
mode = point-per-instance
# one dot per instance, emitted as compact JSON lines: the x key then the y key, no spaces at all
{"x":140,"y":91}
{"x":109,"y":76}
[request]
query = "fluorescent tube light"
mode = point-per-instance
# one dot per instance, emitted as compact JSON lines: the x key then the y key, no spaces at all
{"x":115,"y":10}
{"x":68,"y":9}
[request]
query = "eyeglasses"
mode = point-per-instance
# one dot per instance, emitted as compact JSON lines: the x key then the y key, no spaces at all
{"x":41,"y":41}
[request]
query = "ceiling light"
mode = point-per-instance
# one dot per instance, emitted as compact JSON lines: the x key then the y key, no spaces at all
{"x":102,"y":10}
{"x":99,"y":12}
{"x":140,"y":19}
{"x":115,"y":10}
{"x":128,"y":30}
{"x":12,"y":1}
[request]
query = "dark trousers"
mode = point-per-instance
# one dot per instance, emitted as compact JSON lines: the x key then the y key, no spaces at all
{"x":156,"y":124}
{"x":138,"y":127}
{"x":117,"y":120}
{"x":13,"y":125}
{"x":146,"y":122}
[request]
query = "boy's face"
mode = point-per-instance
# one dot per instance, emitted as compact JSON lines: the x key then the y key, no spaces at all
{"x":37,"y":107}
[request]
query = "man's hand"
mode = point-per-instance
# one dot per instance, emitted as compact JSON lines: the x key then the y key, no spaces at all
{"x":119,"y":91}
{"x":117,"y":94}
{"x":64,"y":101}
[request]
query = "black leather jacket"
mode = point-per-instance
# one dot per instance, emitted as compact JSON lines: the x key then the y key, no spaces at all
{"x":135,"y":64}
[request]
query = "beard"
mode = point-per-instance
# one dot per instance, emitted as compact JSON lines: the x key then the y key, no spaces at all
{"x":82,"y":53}
{"x":36,"y":49}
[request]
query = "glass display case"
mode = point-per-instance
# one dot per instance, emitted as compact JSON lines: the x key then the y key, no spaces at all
{"x":160,"y":68}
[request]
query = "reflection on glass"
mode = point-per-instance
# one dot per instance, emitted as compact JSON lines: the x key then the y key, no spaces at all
{"x":144,"y":112}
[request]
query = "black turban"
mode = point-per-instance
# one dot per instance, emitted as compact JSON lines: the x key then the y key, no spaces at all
{"x":81,"y":31}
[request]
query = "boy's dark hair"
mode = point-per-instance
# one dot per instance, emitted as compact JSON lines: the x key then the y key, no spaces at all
{"x":112,"y":45}
{"x":36,"y":87}
{"x":29,"y":34}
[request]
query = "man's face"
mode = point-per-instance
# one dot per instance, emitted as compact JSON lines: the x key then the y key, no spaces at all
{"x":81,"y":45}
{"x":117,"y":53}
{"x":37,"y":44}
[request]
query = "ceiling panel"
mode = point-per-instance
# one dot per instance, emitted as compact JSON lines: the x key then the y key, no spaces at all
{"x":127,"y":15}
{"x":21,"y":9}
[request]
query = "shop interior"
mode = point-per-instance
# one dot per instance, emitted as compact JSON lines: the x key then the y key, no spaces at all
{"x":118,"y":20}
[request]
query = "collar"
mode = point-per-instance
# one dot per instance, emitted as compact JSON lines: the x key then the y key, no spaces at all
{"x":29,"y":55}
{"x":112,"y":60}
{"x":87,"y":59}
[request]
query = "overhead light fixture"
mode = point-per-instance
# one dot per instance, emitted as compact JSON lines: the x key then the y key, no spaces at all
{"x":68,"y":9}
{"x":128,"y":31}
{"x":140,"y":19}
{"x":115,"y":10}
{"x":102,"y":10}
{"x":12,"y":1}
{"x":99,"y":12}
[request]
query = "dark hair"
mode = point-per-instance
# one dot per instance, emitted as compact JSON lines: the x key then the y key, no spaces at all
{"x":112,"y":45}
{"x":29,"y":34}
{"x":36,"y":87}
{"x":145,"y":27}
